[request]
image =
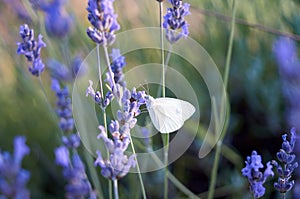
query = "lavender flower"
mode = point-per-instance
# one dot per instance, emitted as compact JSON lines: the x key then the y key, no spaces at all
{"x":64,"y":106}
{"x":118,"y":164}
{"x":255,"y":177}
{"x":31,"y":49}
{"x":287,"y":160}
{"x":96,"y":95}
{"x":78,"y":186}
{"x":285,"y":52}
{"x":72,"y":141}
{"x":59,"y":71}
{"x":174,"y":21}
{"x":104,"y":21}
{"x":78,"y":67}
{"x":58,"y":24}
{"x":118,"y":63}
{"x":13,"y":178}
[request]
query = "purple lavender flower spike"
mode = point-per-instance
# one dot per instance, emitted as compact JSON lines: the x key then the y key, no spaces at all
{"x":255,"y":177}
{"x":96,"y":95}
{"x":118,"y":63}
{"x":285,"y":52}
{"x":64,"y":106}
{"x":62,"y":156}
{"x":59,"y":71}
{"x":57,"y":23}
{"x":174,"y":21}
{"x":72,"y":141}
{"x":104,"y":21}
{"x":78,"y":67}
{"x":31,"y":49}
{"x":78,"y":185}
{"x":13,"y":178}
{"x":287,"y":164}
{"x":118,"y":164}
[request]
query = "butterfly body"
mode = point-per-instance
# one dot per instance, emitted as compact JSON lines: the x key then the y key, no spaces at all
{"x":168,"y":114}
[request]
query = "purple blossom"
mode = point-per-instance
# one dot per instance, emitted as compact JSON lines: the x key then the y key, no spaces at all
{"x":13,"y":178}
{"x":174,"y":21}
{"x":118,"y":164}
{"x":118,"y":63}
{"x":96,"y":95}
{"x":78,"y":186}
{"x":59,"y":71}
{"x":31,"y":49}
{"x":255,"y":177}
{"x":62,"y":156}
{"x":72,"y":141}
{"x":285,"y":52}
{"x":58,"y":24}
{"x":64,"y":73}
{"x":78,"y":67}
{"x":64,"y":106}
{"x":287,"y":165}
{"x":104,"y":21}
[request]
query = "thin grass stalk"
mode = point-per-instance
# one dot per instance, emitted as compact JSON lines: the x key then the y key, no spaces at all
{"x":165,"y":137}
{"x":110,"y":194}
{"x":214,"y":174}
{"x":138,"y":168}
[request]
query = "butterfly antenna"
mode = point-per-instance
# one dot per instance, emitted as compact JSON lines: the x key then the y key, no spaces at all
{"x":146,"y":90}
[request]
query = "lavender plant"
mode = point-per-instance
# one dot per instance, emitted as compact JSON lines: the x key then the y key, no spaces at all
{"x":118,"y":163}
{"x":78,"y":185}
{"x":104,"y":21}
{"x":255,"y":177}
{"x":64,"y":107}
{"x":57,"y":22}
{"x":174,"y":21}
{"x":285,"y":52}
{"x":31,"y":49}
{"x":13,"y":178}
{"x":286,"y":165}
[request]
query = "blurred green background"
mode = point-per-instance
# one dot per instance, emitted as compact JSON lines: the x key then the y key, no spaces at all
{"x":255,"y":90}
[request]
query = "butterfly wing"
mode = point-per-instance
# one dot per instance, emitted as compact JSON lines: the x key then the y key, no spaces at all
{"x":169,"y":114}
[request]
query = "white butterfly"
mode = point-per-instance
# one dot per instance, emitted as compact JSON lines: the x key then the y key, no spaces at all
{"x":168,"y":114}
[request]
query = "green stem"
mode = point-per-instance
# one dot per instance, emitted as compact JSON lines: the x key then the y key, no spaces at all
{"x":229,"y":50}
{"x":138,"y":168}
{"x":172,"y":178}
{"x":159,"y":90}
{"x":116,"y":189}
{"x":103,"y":111}
{"x":166,"y":137}
{"x":99,"y":71}
{"x":111,"y":74}
{"x":214,"y":174}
